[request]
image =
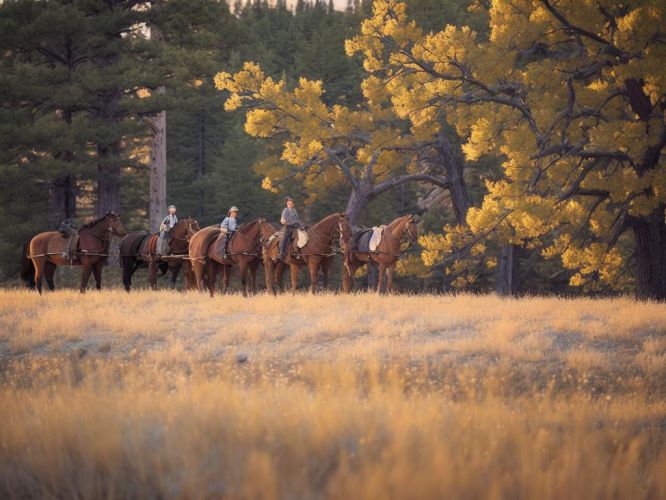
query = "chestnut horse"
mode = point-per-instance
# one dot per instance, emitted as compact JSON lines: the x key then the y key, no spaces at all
{"x":47,"y":251}
{"x":138,"y":250}
{"x":243,"y":250}
{"x":317,"y":254}
{"x":386,"y":254}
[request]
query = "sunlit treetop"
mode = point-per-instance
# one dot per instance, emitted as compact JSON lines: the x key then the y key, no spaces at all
{"x":366,"y":145}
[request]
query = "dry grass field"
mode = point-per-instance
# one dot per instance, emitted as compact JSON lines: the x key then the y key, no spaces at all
{"x":172,"y":395}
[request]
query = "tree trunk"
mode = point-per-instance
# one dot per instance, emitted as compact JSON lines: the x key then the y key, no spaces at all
{"x":454,"y":174}
{"x":158,"y":155}
{"x":358,"y":200}
{"x":201,"y":161}
{"x":62,"y":199}
{"x":650,"y":234}
{"x":506,"y":280}
{"x":158,"y":169}
{"x":108,"y":180}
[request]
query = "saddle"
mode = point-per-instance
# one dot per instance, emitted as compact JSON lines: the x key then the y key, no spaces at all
{"x":149,"y":245}
{"x":367,"y":240}
{"x":217,"y":246}
{"x":58,"y":246}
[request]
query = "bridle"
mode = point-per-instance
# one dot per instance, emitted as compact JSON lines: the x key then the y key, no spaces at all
{"x":190,"y":221}
{"x":413,"y":237}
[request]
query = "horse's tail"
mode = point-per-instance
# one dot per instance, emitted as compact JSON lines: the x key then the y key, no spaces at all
{"x":27,"y":266}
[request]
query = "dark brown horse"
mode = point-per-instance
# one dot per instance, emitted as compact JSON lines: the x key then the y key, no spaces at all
{"x":48,"y":250}
{"x":386,"y":254}
{"x":139,"y":250}
{"x":316,"y":254}
{"x":243,"y":250}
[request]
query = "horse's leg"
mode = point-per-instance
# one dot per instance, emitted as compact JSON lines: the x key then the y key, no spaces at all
{"x":294,"y":276}
{"x":348,"y":272}
{"x":380,"y":276}
{"x":152,"y":273}
{"x":281,"y":266}
{"x":389,"y":283}
{"x":325,"y":268}
{"x":97,"y":268}
{"x":313,"y":267}
{"x":174,"y":275}
{"x":269,"y":275}
{"x":253,"y":276}
{"x":129,"y":266}
{"x":212,"y":276}
{"x":39,"y":263}
{"x":86,"y":269}
{"x":49,"y":271}
{"x":242,"y":269}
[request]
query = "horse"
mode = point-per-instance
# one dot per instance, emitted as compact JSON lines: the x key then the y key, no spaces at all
{"x":386,"y":254}
{"x":139,"y":250}
{"x":317,"y":254}
{"x":243,"y":250}
{"x":49,"y":249}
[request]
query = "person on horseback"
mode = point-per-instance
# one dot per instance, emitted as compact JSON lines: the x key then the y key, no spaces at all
{"x":290,"y":221}
{"x":228,"y":227}
{"x":167,"y":224}
{"x":69,"y":230}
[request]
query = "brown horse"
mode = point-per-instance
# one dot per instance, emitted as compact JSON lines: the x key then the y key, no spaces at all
{"x":386,"y":254}
{"x":243,"y":250}
{"x":48,"y":250}
{"x":317,"y":254}
{"x":139,"y":250}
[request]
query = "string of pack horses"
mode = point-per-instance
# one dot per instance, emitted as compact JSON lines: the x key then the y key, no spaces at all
{"x":203,"y":254}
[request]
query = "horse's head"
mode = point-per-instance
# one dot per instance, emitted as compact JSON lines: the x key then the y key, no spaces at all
{"x":191,"y":226}
{"x":345,"y":229}
{"x":411,"y":229}
{"x":115,"y":226}
{"x":266,"y":230}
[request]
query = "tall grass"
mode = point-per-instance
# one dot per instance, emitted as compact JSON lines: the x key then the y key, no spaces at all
{"x":163,"y":394}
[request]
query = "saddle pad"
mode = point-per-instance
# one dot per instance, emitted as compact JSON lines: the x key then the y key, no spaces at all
{"x":376,"y":238}
{"x":303,"y":238}
{"x":57,"y":246}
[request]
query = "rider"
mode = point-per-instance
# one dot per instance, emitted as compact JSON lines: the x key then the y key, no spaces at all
{"x":228,"y":227}
{"x":69,"y":230}
{"x":290,"y":221}
{"x":167,"y":224}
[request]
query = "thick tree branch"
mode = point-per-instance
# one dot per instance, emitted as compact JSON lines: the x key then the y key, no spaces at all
{"x":388,"y":184}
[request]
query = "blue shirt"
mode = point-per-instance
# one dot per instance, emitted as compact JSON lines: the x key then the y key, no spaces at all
{"x":289,"y":217}
{"x":170,"y":220}
{"x":229,"y":223}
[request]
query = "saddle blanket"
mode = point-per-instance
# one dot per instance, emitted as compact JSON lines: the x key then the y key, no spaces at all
{"x":303,"y":238}
{"x":301,"y":241}
{"x":376,"y":238}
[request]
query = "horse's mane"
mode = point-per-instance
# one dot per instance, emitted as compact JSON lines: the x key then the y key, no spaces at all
{"x":326,"y":219}
{"x":96,"y":221}
{"x":248,"y":225}
{"x":396,"y":220}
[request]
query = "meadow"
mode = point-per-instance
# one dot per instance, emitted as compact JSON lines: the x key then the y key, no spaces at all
{"x":177,"y":395}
